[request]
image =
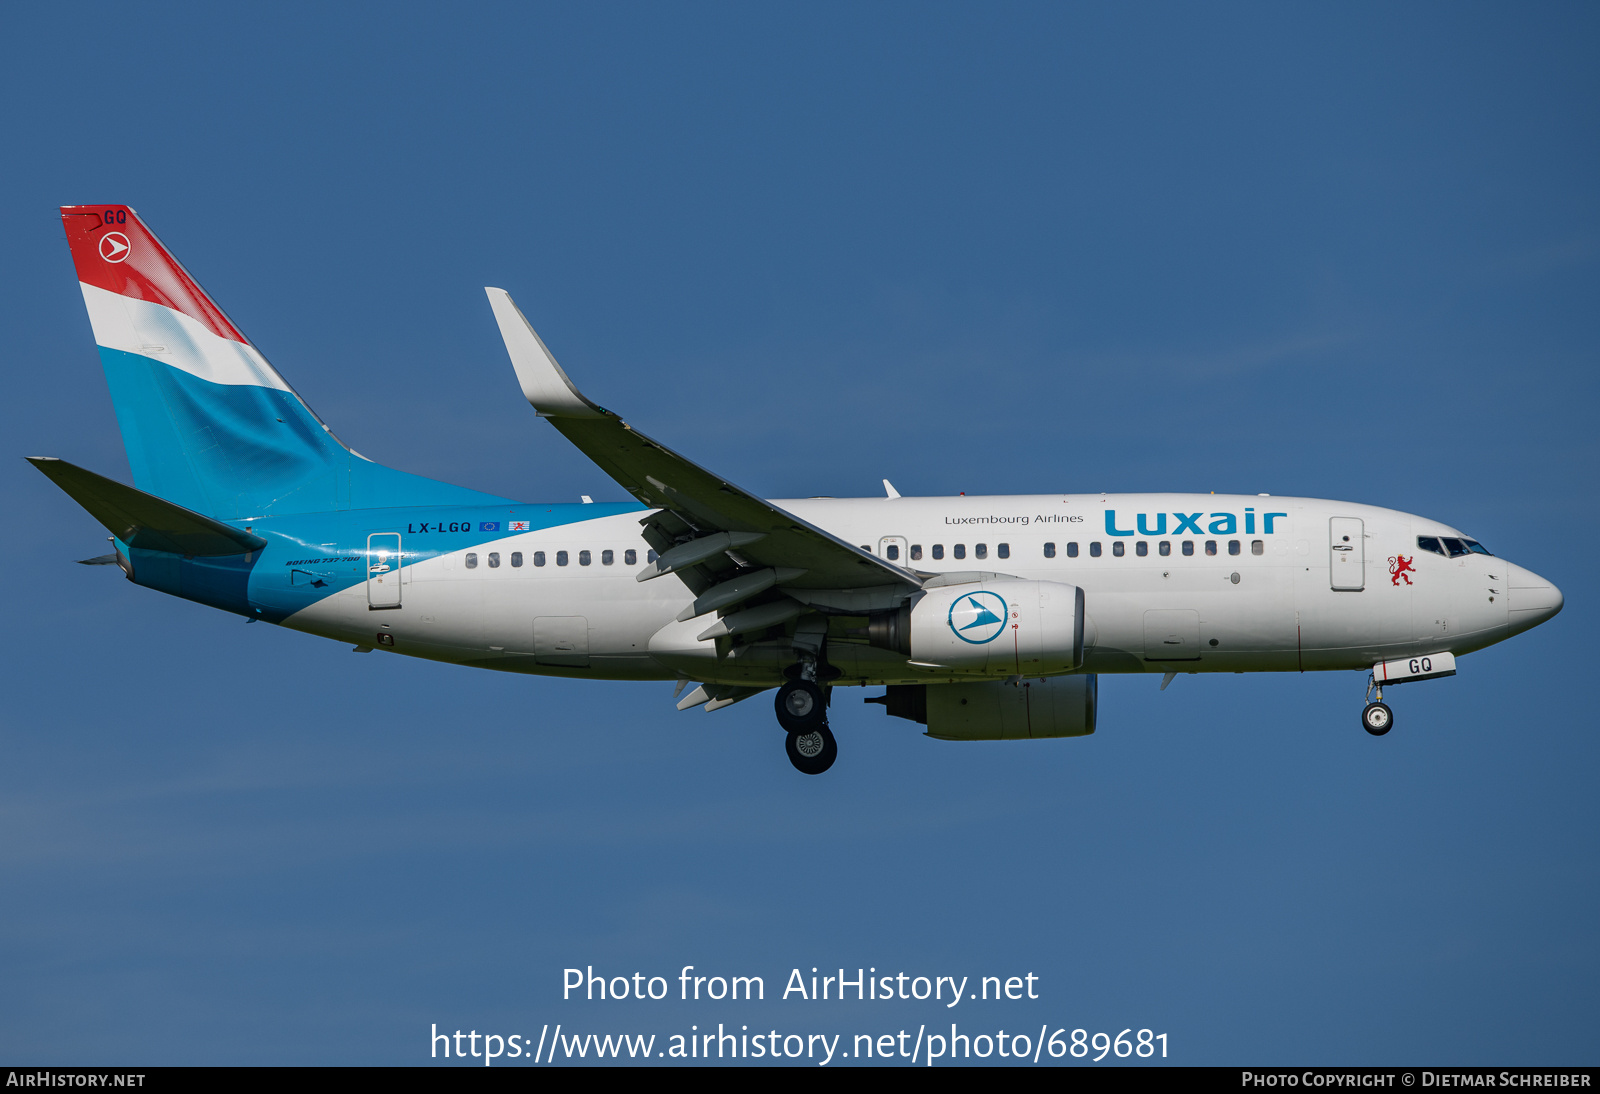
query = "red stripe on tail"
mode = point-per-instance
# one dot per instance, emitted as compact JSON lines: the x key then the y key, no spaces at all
{"x":113,"y":250}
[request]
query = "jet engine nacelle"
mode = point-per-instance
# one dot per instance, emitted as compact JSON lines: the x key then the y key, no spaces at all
{"x":999,"y":710}
{"x":999,"y":626}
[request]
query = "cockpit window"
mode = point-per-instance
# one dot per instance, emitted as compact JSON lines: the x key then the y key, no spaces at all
{"x":1477,"y":548}
{"x":1430,"y":543}
{"x":1454,"y":546}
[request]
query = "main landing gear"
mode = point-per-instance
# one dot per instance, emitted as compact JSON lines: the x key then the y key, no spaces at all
{"x":1376,"y":718}
{"x":802,"y":708}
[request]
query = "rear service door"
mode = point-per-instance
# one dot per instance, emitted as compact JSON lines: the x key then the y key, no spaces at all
{"x":1347,"y":554}
{"x":383,"y":570}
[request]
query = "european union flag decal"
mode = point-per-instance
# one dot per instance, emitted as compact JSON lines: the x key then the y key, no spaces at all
{"x":489,"y":526}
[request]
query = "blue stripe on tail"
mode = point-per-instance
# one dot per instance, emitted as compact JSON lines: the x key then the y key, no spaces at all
{"x":237,"y":452}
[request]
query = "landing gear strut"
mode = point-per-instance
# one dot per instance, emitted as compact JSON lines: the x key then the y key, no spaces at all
{"x":1376,"y":718}
{"x":803,"y":713}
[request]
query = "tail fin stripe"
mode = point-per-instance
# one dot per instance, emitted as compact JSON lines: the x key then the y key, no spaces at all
{"x":207,"y":423}
{"x":176,"y":339}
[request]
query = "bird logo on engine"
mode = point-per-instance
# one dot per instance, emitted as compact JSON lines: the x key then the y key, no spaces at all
{"x":978,"y":617}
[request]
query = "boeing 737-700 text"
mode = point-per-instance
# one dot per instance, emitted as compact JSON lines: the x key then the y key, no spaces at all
{"x":986,"y":618}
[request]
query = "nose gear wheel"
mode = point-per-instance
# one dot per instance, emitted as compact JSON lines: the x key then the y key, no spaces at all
{"x":1377,"y":719}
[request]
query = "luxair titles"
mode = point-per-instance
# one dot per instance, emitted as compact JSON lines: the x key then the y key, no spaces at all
{"x":1149,"y":524}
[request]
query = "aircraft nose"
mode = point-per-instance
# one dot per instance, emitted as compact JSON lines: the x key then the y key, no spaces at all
{"x":1531,"y":599}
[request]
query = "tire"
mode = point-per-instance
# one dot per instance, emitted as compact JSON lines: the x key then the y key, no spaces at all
{"x":801,"y":706}
{"x":1377,"y":719}
{"x":813,"y":751}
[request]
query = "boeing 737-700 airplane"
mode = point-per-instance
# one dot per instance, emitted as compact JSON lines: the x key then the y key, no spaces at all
{"x":986,"y":618}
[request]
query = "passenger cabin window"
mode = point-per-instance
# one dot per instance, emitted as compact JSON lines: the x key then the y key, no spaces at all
{"x":1165,"y":548}
{"x":1094,"y":549}
{"x":1072,"y":550}
{"x":916,"y":551}
{"x":583,"y":558}
{"x":630,"y":557}
{"x":980,"y":551}
{"x":1257,"y":547}
{"x":472,"y":561}
{"x":960,"y":550}
{"x":516,"y":558}
{"x":649,"y":556}
{"x":607,"y":557}
{"x":1118,"y":548}
{"x":1049,"y":550}
{"x":1003,"y":550}
{"x":1454,"y":546}
{"x":494,"y":560}
{"x":1233,"y":546}
{"x":938,"y":550}
{"x":892,"y":552}
{"x":1141,"y":548}
{"x":538,"y":558}
{"x":561,"y":558}
{"x":1211,"y":546}
{"x":1188,"y":546}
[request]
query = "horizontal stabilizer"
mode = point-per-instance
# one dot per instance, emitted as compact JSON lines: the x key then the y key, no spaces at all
{"x":143,"y":520}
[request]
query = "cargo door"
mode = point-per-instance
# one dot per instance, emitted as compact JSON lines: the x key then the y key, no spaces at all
{"x":561,"y":640}
{"x":383,"y":570}
{"x":1347,"y":554}
{"x":1172,"y":634}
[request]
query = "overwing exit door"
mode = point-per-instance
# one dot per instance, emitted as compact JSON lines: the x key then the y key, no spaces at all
{"x":893,"y":548}
{"x":383,"y":570}
{"x":1347,"y":554}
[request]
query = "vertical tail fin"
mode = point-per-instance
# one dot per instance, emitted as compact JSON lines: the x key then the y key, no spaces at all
{"x":206,"y":421}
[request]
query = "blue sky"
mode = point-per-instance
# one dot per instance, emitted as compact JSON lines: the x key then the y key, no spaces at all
{"x":1346,"y":253}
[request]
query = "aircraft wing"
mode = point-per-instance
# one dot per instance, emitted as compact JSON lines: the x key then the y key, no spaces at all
{"x":695,"y":504}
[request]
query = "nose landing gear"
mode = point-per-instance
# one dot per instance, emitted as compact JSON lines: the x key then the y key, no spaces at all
{"x":1376,"y":718}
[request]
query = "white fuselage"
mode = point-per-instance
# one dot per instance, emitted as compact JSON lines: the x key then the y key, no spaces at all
{"x":1271,"y":589}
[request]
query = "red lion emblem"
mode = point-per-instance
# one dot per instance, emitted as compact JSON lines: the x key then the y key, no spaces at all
{"x":1400,"y":566}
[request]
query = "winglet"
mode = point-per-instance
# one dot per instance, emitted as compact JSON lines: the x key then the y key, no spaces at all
{"x":543,"y":382}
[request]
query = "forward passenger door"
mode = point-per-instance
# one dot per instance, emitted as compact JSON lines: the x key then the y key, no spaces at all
{"x":1347,"y":554}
